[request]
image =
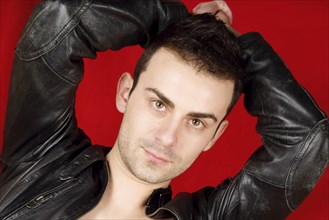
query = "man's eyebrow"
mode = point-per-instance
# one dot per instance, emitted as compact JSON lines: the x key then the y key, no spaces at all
{"x":203,"y":115}
{"x":172,"y":105}
{"x":161,"y":96}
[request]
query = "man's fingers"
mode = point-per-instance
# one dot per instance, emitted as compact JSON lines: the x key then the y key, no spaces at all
{"x":213,"y":8}
{"x":222,"y":16}
{"x":223,"y":7}
{"x":205,"y":7}
{"x":220,"y":9}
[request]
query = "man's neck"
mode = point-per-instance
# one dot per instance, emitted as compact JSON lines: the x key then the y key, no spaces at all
{"x":124,"y":188}
{"x":125,"y":195}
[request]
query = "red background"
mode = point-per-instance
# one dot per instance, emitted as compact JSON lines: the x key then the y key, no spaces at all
{"x":297,"y":30}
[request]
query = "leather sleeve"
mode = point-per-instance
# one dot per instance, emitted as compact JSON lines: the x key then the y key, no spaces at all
{"x":48,"y":65}
{"x":294,"y":132}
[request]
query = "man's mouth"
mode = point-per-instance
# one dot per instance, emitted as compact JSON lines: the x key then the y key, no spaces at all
{"x":155,"y":157}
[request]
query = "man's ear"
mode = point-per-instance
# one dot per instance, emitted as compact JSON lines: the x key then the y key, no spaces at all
{"x":124,"y":86}
{"x":218,"y":133}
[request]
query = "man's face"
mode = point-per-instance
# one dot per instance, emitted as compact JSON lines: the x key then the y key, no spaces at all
{"x":170,"y":117}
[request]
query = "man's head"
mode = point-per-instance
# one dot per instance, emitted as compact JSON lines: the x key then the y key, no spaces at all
{"x":203,"y":42}
{"x":185,"y":83}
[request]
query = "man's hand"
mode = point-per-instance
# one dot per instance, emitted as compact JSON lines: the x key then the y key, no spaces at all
{"x":218,"y":8}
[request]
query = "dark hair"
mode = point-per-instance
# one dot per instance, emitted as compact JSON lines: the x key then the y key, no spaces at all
{"x":201,"y":41}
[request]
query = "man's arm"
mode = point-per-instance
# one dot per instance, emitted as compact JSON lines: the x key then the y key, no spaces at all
{"x":48,"y":66}
{"x":294,"y":132}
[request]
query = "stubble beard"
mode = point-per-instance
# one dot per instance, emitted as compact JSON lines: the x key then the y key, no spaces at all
{"x":145,"y":170}
{"x":133,"y":158}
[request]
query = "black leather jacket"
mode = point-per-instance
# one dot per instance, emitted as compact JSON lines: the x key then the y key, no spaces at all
{"x":51,"y":171}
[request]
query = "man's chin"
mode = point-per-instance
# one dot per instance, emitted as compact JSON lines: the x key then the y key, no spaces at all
{"x":151,"y":175}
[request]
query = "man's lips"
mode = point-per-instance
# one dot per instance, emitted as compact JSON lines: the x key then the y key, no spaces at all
{"x":155,"y":157}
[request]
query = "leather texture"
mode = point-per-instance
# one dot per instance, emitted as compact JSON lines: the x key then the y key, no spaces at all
{"x":50,"y":170}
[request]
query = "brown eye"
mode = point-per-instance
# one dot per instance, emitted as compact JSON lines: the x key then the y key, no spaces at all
{"x":158,"y":105}
{"x":196,"y":122}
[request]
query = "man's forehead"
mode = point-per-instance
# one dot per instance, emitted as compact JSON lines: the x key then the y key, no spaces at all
{"x":184,"y":85}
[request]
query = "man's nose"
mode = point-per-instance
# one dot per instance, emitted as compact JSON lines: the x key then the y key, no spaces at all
{"x":167,"y":133}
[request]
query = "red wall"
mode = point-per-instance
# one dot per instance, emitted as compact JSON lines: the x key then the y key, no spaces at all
{"x":298,"y":30}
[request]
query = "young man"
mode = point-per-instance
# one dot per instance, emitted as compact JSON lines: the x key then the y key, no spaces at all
{"x":175,"y":110}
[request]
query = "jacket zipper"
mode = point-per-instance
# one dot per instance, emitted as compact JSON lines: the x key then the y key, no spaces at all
{"x":40,"y":199}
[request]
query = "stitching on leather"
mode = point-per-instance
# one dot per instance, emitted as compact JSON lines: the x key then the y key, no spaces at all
{"x":51,"y":44}
{"x":229,"y":194}
{"x":29,"y":27}
{"x":264,"y":180}
{"x":71,"y":171}
{"x":59,"y":75}
{"x":233,"y":207}
{"x":300,"y":155}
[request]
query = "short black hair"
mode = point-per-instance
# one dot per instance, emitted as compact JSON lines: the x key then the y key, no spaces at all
{"x":203,"y":42}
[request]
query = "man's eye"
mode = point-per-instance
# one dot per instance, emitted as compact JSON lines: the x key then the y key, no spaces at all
{"x":158,"y":105}
{"x":197,"y":123}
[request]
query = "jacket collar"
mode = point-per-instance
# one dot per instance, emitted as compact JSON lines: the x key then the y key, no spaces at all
{"x":158,"y":199}
{"x":181,"y":207}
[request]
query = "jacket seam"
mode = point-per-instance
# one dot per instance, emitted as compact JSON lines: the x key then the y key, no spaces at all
{"x":173,"y":210}
{"x":300,"y":155}
{"x":51,"y":44}
{"x":56,"y":73}
{"x":264,"y":180}
{"x":29,"y":27}
{"x":233,"y":207}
